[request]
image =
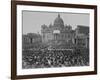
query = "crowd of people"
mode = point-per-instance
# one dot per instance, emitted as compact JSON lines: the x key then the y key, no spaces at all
{"x":53,"y":58}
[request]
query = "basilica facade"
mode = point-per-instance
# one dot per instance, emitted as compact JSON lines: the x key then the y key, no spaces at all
{"x":57,"y":33}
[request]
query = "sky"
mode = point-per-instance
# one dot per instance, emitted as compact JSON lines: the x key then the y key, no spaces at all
{"x":32,"y":20}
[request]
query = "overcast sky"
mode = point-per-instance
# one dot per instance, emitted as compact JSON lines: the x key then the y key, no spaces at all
{"x":32,"y":20}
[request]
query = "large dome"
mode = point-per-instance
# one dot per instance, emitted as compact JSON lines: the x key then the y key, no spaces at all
{"x":58,"y":21}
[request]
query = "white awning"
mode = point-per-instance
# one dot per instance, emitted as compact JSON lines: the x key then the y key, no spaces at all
{"x":56,"y":31}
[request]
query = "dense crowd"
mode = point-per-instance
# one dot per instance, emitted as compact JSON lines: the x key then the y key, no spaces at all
{"x":53,"y":58}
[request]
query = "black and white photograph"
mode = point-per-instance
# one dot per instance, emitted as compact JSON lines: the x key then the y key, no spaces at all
{"x":55,"y":39}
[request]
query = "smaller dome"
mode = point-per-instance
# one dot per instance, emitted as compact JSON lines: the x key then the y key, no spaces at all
{"x":44,"y":26}
{"x":50,"y":26}
{"x":58,"y":21}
